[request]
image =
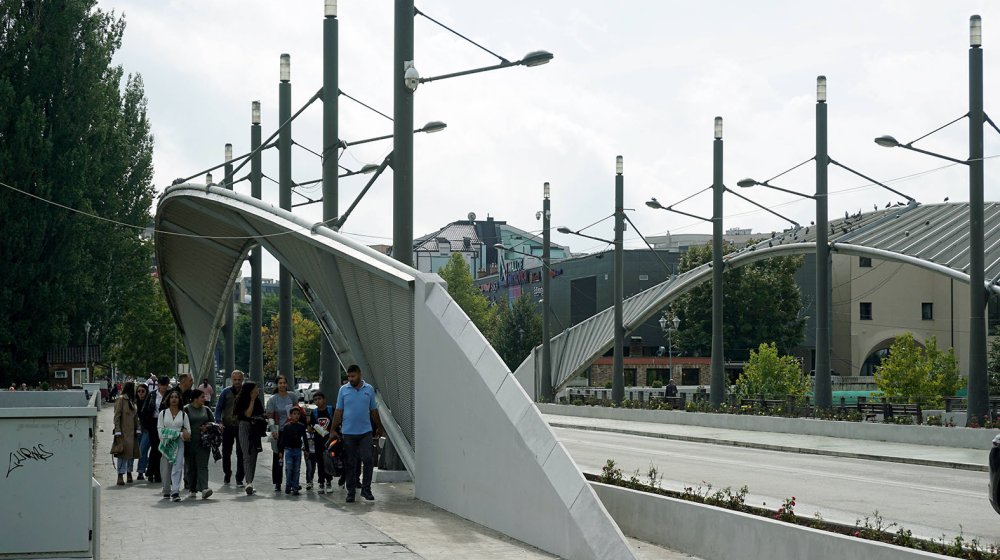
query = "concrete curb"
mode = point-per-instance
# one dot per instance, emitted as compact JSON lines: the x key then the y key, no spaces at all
{"x":681,"y":525}
{"x":968,"y":438}
{"x":784,"y":448}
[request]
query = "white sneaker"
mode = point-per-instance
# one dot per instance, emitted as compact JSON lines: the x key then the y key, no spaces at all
{"x":206,"y":494}
{"x":250,"y":490}
{"x":329,"y":487}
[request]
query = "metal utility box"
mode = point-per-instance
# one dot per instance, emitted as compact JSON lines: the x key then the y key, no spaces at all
{"x":46,"y":483}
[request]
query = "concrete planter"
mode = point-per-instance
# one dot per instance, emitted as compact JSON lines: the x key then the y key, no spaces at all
{"x":919,"y":435}
{"x":721,"y":534}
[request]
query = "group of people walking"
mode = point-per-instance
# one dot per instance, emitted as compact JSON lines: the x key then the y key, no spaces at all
{"x":171,"y":431}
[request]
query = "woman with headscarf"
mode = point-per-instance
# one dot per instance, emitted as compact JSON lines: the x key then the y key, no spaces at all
{"x":127,"y":430}
{"x":141,"y":394}
{"x":197,"y":454}
{"x":250,"y":413}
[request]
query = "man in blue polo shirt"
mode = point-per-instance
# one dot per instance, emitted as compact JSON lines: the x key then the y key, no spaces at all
{"x":356,"y":415}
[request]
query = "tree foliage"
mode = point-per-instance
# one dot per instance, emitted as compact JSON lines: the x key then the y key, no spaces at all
{"x":470,"y":298}
{"x":770,"y":374}
{"x":146,"y":334}
{"x":762,"y":304}
{"x":993,"y":366}
{"x":73,"y":130}
{"x":518,"y":331}
{"x":305,"y":346}
{"x":918,"y":373}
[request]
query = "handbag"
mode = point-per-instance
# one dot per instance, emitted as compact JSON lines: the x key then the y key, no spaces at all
{"x":118,"y":445}
{"x":259,"y":425}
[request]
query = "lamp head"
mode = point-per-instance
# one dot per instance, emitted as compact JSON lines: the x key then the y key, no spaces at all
{"x":663,"y":323}
{"x":654,"y":204}
{"x":975,"y":31}
{"x":619,"y":165}
{"x":369,"y":168}
{"x":500,"y":246}
{"x":887,"y":141}
{"x":564,"y":229}
{"x":545,"y":190}
{"x":229,"y":153}
{"x":747,"y":183}
{"x":255,"y":112}
{"x":536,"y":58}
{"x":411,"y":78}
{"x":433,"y":126}
{"x":208,"y":178}
{"x":677,"y":321}
{"x":330,"y":8}
{"x":286,"y":67}
{"x":718,"y":128}
{"x":86,"y":327}
{"x":821,"y":89}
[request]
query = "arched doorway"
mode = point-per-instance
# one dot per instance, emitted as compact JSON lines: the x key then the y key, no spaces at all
{"x":878,"y":353}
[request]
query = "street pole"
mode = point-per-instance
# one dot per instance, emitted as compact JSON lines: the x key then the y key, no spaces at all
{"x":86,"y":350}
{"x":402,"y":149}
{"x":823,"y":390}
{"x":175,"y":349}
{"x":547,"y":392}
{"x":256,"y":314}
{"x":329,"y":371}
{"x":718,"y":385}
{"x":285,"y":365}
{"x":229,"y":353}
{"x":618,"y":375}
{"x":670,"y":350}
{"x":978,"y":387}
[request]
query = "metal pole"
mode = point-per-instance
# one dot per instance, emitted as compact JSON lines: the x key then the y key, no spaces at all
{"x":978,"y":386}
{"x":670,"y":349}
{"x":329,"y":371}
{"x":718,"y":385}
{"x":285,"y":365}
{"x":256,"y":313}
{"x":402,"y":156}
{"x":86,"y":350}
{"x":229,"y":329}
{"x":618,"y":374}
{"x":823,"y":390}
{"x":547,"y":392}
{"x":175,"y":348}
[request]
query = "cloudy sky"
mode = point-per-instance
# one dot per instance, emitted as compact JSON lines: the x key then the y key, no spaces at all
{"x":639,"y":78}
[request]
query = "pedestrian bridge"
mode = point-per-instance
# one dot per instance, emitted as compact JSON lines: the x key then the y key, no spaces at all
{"x":467,"y":432}
{"x":934,"y":237}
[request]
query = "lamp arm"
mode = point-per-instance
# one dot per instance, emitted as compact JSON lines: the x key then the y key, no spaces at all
{"x":867,"y":178}
{"x":761,"y":206}
{"x":339,"y":222}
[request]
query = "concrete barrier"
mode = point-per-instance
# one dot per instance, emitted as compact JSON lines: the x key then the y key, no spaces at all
{"x":721,"y":534}
{"x":971,"y":438}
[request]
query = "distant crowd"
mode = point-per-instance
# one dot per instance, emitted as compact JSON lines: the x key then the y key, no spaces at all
{"x":166,"y":433}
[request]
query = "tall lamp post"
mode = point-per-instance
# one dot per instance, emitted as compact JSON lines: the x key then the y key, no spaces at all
{"x":670,"y":339}
{"x":329,"y":370}
{"x":285,"y":363}
{"x":978,"y":388}
{"x":256,"y":310}
{"x":86,"y":350}
{"x":547,"y":389}
{"x":618,"y":372}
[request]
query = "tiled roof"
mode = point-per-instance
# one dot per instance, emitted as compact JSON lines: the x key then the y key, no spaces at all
{"x":455,"y":233}
{"x":73,"y":355}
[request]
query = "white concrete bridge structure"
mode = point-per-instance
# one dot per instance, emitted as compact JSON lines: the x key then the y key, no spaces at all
{"x":934,"y":237}
{"x":469,"y":435}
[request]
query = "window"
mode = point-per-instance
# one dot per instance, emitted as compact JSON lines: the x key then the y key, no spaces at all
{"x":657,"y":374}
{"x":866,"y":311}
{"x":865,"y":262}
{"x":690,"y":376}
{"x":60,"y":374}
{"x":79,"y":376}
{"x":927,"y":311}
{"x":629,"y":377}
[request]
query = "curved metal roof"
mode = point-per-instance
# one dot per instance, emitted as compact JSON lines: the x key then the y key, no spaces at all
{"x":932,"y":236}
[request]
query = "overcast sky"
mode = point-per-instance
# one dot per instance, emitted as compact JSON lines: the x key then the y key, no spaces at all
{"x":640,"y":78}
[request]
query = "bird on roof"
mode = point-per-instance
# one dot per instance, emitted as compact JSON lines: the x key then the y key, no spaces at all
{"x":946,"y":199}
{"x":876,"y":207}
{"x":888,"y":204}
{"x":846,"y":215}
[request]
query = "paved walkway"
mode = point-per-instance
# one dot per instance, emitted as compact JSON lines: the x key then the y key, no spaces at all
{"x":137,"y":523}
{"x":950,"y":457}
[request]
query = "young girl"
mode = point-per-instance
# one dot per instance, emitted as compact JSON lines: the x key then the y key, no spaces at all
{"x":175,"y":429}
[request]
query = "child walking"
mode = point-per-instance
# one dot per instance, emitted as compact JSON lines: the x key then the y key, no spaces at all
{"x":290,"y":440}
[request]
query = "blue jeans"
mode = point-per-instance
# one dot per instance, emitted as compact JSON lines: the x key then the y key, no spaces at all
{"x":293,"y":465}
{"x":143,"y":452}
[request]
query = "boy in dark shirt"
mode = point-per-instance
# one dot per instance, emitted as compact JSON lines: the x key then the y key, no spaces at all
{"x":290,"y":439}
{"x":319,"y":424}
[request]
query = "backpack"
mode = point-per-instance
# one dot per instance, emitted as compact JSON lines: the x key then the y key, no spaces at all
{"x":329,"y":411}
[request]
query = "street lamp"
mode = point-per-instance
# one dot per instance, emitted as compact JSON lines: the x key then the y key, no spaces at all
{"x":406,"y":80}
{"x":86,"y":351}
{"x":978,"y":386}
{"x":670,"y":342}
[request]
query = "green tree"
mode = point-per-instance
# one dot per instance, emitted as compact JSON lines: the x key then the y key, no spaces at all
{"x":73,"y":130}
{"x":146,"y":335}
{"x":993,"y":366}
{"x":305,"y":346}
{"x":770,"y":374}
{"x":762,"y":303}
{"x":470,"y":298}
{"x":918,"y":373}
{"x":518,"y":331}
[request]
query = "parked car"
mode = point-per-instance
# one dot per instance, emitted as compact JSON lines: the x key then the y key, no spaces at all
{"x":306,"y":390}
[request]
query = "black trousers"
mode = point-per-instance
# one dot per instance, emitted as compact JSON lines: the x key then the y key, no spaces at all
{"x":319,"y":456}
{"x":229,"y":434}
{"x":277,"y":471}
{"x":153,"y":467}
{"x":358,"y":457}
